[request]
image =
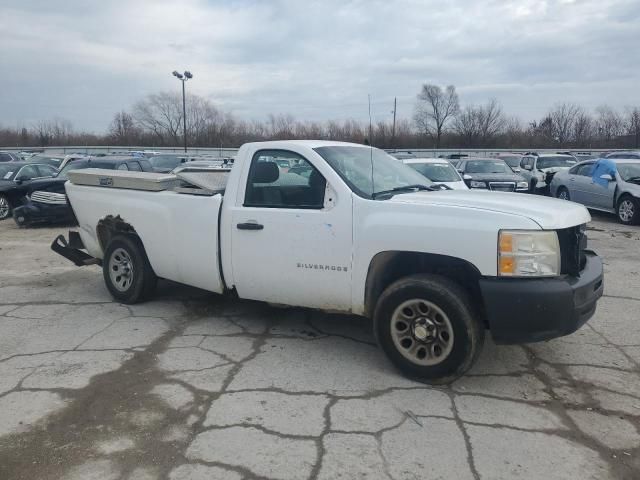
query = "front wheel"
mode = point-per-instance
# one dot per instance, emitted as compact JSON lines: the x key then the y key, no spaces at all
{"x":563,"y":194}
{"x":127,"y":271}
{"x":628,"y":210}
{"x":5,"y":207}
{"x":425,"y":325}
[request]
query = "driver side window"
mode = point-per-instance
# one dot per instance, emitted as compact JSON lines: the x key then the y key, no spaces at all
{"x":283,"y":179}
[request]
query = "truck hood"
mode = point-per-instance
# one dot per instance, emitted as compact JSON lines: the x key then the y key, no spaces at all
{"x":549,"y":213}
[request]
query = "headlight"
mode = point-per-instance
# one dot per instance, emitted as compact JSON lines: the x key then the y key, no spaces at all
{"x":522,"y":186}
{"x":475,"y":184}
{"x":523,"y":253}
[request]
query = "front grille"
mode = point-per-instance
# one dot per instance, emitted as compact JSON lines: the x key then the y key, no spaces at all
{"x":502,"y":186}
{"x":573,"y":243}
{"x":50,"y":198}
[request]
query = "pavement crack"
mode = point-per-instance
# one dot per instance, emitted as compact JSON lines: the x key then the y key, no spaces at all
{"x":465,"y":435}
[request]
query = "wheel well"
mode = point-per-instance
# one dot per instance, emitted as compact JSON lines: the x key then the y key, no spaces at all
{"x":387,"y":267}
{"x":111,"y":226}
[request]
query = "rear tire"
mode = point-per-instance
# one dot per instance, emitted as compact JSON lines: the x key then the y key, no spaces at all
{"x":563,"y":194}
{"x":126,"y":270}
{"x":425,"y":325}
{"x":628,"y":210}
{"x":5,"y":207}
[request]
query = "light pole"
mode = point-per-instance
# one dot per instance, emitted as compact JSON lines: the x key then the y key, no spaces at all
{"x":183,"y":77}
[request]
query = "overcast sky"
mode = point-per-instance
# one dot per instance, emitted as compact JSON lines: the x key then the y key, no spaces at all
{"x":83,"y":60}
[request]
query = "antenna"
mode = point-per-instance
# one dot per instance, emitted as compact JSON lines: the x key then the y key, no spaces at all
{"x":371,"y":145}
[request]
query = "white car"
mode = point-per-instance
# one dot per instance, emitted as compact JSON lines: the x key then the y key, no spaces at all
{"x":438,"y":170}
{"x":538,"y":170}
{"x":359,"y":233}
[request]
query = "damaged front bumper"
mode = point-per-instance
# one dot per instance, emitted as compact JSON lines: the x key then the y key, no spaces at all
{"x":73,"y":250}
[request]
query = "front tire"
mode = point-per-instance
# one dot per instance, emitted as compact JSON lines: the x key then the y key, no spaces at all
{"x":425,"y":325}
{"x":563,"y":193}
{"x":628,"y":210}
{"x":5,"y":207}
{"x":127,"y":271}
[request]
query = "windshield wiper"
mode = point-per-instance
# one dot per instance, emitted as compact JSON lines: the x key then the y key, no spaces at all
{"x":633,"y":179}
{"x":406,"y":189}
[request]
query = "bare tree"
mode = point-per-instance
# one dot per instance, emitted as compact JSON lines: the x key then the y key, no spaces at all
{"x":478,"y":125}
{"x":609,"y":123}
{"x":563,"y":117}
{"x":583,"y":129}
{"x":633,"y":125}
{"x":434,"y":108}
{"x":122,"y":129}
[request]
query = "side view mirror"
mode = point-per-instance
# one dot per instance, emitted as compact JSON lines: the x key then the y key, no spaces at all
{"x":459,"y":170}
{"x":466,"y":176}
{"x":606,"y":176}
{"x":21,"y":179}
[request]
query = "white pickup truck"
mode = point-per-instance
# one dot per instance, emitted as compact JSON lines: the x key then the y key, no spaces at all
{"x":345,"y":227}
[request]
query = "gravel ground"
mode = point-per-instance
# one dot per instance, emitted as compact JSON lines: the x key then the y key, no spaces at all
{"x":196,"y":386}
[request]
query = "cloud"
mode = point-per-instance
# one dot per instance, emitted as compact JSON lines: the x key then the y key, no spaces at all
{"x":85,"y":60}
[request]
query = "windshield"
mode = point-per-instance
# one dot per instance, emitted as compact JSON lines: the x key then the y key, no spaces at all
{"x":548,"y":162}
{"x":436,"y":172}
{"x":166,"y":161}
{"x":368,"y":171}
{"x":487,"y":166}
{"x":629,"y":172}
{"x":512,"y":161}
{"x":7,"y":171}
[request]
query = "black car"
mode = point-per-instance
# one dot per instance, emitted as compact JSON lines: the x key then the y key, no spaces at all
{"x":15,"y":179}
{"x":491,"y":174}
{"x":46,"y":199}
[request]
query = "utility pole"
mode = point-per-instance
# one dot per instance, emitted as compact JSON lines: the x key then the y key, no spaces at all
{"x":393,"y":130}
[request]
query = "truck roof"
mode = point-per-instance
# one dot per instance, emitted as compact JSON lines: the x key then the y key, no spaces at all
{"x":306,"y":143}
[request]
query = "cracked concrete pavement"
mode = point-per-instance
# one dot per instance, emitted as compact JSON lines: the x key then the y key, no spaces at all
{"x":195,"y":386}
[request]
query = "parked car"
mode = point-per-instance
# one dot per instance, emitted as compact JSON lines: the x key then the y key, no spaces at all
{"x":538,"y":169}
{"x":491,"y":174}
{"x":617,"y":190}
{"x":364,"y":234}
{"x":15,"y":178}
{"x":45,"y":200}
{"x":10,"y":157}
{"x":512,"y":159}
{"x":166,"y":162}
{"x":438,"y":170}
{"x":631,"y":154}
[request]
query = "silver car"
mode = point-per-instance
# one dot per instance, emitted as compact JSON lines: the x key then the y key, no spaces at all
{"x":619,"y":192}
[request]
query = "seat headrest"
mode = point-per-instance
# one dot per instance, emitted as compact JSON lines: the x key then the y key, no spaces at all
{"x":266,"y":172}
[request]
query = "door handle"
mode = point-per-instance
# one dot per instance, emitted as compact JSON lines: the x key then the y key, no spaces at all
{"x":249,"y":226}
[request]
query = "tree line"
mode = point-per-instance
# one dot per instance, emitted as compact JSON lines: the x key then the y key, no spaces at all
{"x":438,"y":121}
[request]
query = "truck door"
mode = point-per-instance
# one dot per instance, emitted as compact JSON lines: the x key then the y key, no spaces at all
{"x":291,"y":235}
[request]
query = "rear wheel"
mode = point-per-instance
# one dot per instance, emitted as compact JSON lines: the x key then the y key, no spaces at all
{"x":127,"y":271}
{"x":628,"y":210}
{"x":563,"y":194}
{"x":5,"y":207}
{"x":425,"y":325}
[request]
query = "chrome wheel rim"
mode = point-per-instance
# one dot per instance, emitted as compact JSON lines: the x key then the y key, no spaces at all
{"x":626,"y":210}
{"x":422,"y":332}
{"x":121,"y":269}
{"x":563,"y":195}
{"x":4,"y":208}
